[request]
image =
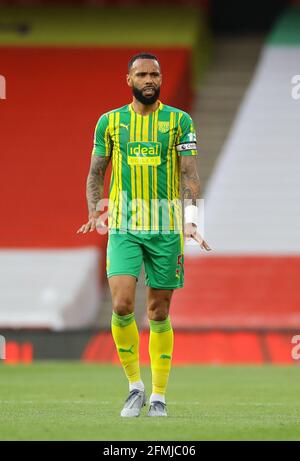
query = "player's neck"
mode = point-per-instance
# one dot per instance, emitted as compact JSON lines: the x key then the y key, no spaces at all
{"x":143,"y":109}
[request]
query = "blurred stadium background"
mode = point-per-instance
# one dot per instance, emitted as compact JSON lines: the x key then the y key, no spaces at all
{"x":230,"y":64}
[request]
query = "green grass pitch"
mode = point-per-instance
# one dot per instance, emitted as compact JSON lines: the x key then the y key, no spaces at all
{"x":77,"y":401}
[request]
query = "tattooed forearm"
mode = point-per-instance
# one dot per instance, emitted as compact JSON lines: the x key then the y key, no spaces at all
{"x":95,"y":181}
{"x":190,"y":179}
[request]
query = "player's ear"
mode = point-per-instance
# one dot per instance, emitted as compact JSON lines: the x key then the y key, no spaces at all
{"x":128,"y":79}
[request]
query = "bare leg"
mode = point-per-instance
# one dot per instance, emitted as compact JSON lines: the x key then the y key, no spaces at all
{"x":158,"y":303}
{"x":122,"y":288}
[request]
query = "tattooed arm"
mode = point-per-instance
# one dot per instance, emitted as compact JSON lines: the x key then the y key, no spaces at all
{"x":95,"y":181}
{"x":94,"y":190}
{"x":190,"y":180}
{"x":190,"y":183}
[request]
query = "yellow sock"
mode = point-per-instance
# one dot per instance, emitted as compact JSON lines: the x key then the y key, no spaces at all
{"x":160,"y":350}
{"x":126,"y":337}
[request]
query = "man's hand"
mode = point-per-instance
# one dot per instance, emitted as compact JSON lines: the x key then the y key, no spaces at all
{"x":190,"y":231}
{"x":92,"y":223}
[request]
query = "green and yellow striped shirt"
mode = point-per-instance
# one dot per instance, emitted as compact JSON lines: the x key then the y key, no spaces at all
{"x":145,"y":181}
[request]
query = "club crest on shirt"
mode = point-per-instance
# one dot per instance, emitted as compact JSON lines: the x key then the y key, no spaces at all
{"x":163,"y":127}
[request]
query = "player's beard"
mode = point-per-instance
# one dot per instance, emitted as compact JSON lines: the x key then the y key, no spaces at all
{"x":146,"y":100}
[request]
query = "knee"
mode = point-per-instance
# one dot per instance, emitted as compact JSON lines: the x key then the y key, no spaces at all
{"x":123,"y":306}
{"x":158,"y":310}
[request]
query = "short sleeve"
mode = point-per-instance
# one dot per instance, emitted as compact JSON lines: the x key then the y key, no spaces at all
{"x":102,"y":139}
{"x":186,"y":143}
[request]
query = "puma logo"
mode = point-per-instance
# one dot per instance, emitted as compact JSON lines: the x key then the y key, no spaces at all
{"x":127,"y":350}
{"x":165,"y":356}
{"x":124,"y":126}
